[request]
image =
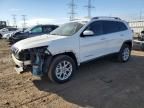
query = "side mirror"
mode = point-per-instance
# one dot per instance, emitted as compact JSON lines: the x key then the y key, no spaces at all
{"x":88,"y":33}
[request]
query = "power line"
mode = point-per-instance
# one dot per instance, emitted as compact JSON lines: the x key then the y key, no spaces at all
{"x":14,"y":21}
{"x":72,"y":10}
{"x":141,"y":14}
{"x":24,"y":21}
{"x":89,"y":8}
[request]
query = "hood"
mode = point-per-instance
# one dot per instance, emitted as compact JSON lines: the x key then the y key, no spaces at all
{"x":38,"y":41}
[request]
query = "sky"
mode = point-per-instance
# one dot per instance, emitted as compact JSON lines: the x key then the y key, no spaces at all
{"x":57,"y":11}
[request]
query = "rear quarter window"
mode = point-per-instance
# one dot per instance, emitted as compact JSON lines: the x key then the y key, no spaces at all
{"x":122,"y":26}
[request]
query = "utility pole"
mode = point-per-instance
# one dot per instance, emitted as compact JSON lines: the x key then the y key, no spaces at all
{"x":89,"y":8}
{"x":141,"y":14}
{"x":14,"y":21}
{"x":24,"y":21}
{"x":72,"y":10}
{"x":8,"y":23}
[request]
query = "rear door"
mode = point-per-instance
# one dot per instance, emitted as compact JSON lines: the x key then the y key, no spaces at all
{"x":115,"y":31}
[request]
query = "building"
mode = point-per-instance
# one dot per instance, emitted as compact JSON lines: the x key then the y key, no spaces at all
{"x":137,"y":26}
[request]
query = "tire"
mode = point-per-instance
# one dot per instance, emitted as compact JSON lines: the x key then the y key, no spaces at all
{"x":142,"y":46}
{"x":0,"y":36}
{"x":57,"y":65}
{"x":124,"y":54}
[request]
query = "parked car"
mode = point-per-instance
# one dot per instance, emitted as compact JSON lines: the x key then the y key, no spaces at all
{"x":9,"y":35}
{"x":6,"y":30}
{"x":31,"y":32}
{"x":139,"y":40}
{"x":60,"y":53}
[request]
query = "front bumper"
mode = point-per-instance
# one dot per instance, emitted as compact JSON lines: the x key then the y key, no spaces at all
{"x":21,"y":63}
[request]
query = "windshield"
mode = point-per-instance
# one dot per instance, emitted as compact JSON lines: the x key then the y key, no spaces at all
{"x":29,"y":29}
{"x":68,"y":29}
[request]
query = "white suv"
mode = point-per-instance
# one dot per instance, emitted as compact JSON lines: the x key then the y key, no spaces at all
{"x":63,"y":50}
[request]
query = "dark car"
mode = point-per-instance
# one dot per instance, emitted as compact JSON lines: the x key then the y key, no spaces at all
{"x":31,"y":32}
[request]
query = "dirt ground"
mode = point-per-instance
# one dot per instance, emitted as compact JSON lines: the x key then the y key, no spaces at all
{"x":103,"y":83}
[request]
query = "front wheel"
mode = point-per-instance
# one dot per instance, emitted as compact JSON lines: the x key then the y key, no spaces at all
{"x":124,"y":53}
{"x":61,"y":69}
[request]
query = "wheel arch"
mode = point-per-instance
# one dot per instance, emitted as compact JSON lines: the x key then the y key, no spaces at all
{"x":129,"y":43}
{"x":70,"y":54}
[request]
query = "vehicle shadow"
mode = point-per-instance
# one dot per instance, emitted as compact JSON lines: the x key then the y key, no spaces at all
{"x":103,"y":83}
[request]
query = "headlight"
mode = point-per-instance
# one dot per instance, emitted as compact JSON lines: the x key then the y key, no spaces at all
{"x":20,"y":55}
{"x":23,"y":55}
{"x":15,"y":51}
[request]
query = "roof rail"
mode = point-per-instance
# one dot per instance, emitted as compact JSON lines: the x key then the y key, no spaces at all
{"x":101,"y":17}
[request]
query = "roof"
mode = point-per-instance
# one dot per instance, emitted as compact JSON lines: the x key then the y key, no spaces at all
{"x":96,"y":18}
{"x":106,"y":17}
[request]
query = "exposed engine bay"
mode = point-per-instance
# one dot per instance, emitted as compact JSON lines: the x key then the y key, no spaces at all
{"x":40,"y":59}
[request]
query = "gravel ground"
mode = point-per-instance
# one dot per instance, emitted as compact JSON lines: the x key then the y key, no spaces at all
{"x":103,"y":83}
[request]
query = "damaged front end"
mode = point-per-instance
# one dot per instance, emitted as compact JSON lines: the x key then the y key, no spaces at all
{"x":40,"y":60}
{"x":35,"y":59}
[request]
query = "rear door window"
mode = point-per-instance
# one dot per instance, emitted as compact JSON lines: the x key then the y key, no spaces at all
{"x":47,"y":29}
{"x":122,"y":26}
{"x":113,"y":26}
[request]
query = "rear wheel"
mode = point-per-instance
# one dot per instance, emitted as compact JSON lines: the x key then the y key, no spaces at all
{"x":124,"y":53}
{"x":61,"y":69}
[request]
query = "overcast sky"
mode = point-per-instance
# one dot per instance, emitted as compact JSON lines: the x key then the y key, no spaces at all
{"x":56,"y":11}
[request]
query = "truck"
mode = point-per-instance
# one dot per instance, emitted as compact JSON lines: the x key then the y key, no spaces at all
{"x":3,"y":24}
